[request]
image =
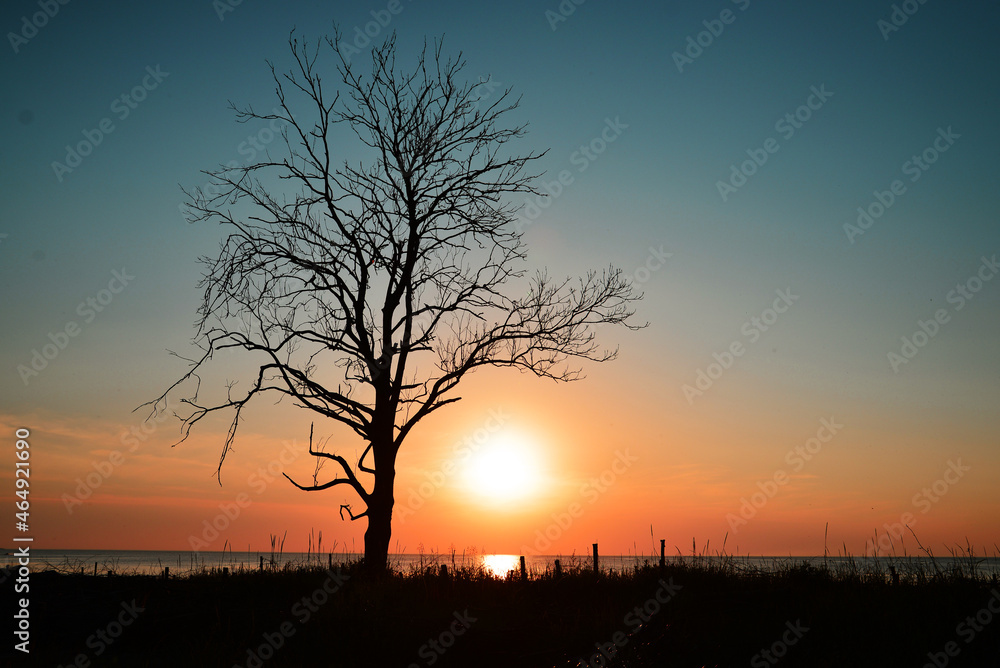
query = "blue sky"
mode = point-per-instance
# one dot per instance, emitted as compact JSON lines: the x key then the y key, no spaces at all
{"x":655,"y":184}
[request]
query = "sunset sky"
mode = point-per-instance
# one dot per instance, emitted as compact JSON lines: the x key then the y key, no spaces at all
{"x":805,"y":363}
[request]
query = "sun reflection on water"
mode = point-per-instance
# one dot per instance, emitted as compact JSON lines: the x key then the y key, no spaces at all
{"x":500,"y":565}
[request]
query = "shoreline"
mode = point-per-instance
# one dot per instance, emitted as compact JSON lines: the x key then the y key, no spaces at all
{"x":123,"y":562}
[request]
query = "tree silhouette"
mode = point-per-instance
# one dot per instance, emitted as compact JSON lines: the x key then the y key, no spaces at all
{"x":360,"y":271}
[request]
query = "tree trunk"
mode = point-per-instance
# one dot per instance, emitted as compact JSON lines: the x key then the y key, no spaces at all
{"x":379,"y":531}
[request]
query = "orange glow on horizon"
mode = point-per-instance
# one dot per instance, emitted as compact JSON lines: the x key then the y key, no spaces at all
{"x":546,"y":482}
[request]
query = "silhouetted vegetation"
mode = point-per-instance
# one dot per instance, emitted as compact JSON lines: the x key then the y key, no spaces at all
{"x":715,"y":611}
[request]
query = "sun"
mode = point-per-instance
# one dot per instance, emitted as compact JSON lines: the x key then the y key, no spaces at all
{"x":505,"y":471}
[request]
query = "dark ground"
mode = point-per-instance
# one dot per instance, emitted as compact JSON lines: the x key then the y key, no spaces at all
{"x":716,"y":617}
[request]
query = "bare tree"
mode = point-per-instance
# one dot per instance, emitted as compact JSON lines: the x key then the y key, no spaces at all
{"x":358,"y":272}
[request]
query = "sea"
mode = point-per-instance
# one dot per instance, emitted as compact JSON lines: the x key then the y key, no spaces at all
{"x":181,"y":563}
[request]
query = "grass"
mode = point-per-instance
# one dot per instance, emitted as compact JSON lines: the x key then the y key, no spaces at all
{"x":725,"y":610}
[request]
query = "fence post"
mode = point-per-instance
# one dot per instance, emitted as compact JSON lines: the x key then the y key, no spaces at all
{"x":663,"y":552}
{"x":524,"y":571}
{"x":596,"y":569}
{"x":558,"y":569}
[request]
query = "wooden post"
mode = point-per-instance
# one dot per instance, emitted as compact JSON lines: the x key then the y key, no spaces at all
{"x":166,"y":572}
{"x":444,"y":571}
{"x":225,"y":571}
{"x":558,"y":569}
{"x":329,"y":560}
{"x":596,"y":569}
{"x":663,"y":552}
{"x":262,"y":562}
{"x":524,"y":571}
{"x":95,"y":568}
